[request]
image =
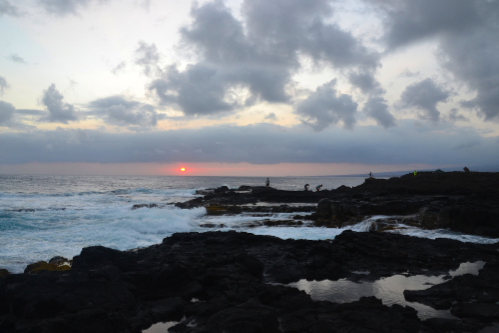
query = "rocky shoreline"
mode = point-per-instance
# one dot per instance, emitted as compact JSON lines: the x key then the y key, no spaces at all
{"x":237,"y":282}
{"x":466,"y":202}
{"x":230,"y":282}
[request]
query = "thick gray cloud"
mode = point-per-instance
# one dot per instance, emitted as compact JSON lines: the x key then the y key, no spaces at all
{"x":147,"y":56}
{"x":410,"y":21}
{"x":376,"y":107}
{"x":325,"y":107}
{"x":65,"y":7}
{"x":116,"y":110}
{"x":424,"y":96}
{"x":3,"y":85}
{"x":6,"y":8}
{"x":365,"y":81}
{"x":260,"y":53}
{"x":257,"y":144}
{"x":474,"y":58}
{"x":59,"y":111}
{"x":16,"y":58}
{"x":6,"y":112}
{"x":468,"y":36}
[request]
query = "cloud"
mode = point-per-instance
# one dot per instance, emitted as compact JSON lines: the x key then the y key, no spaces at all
{"x":65,"y":7}
{"x":6,"y":8}
{"x":116,"y":110}
{"x":29,"y":113}
{"x":3,"y":85}
{"x":257,"y":144}
{"x":244,"y":61}
{"x":59,"y":111}
{"x":454,"y":116}
{"x":326,"y":107}
{"x":408,"y":73}
{"x":376,"y":107}
{"x":424,"y":95}
{"x":271,"y":117}
{"x":468,"y":37}
{"x":412,"y":21}
{"x":285,"y":27}
{"x":6,"y":113}
{"x":120,"y":67}
{"x":474,"y":58}
{"x":365,"y":81}
{"x":147,"y":56}
{"x":16,"y":58}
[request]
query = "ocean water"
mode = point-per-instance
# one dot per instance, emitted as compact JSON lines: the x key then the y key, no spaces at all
{"x":46,"y":216}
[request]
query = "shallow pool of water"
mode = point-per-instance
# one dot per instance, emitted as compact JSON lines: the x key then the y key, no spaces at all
{"x":390,"y":290}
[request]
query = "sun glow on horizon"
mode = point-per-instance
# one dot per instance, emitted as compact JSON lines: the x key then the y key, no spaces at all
{"x":182,"y":169}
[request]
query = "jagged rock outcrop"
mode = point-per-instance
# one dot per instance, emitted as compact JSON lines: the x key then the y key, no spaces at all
{"x":220,"y":282}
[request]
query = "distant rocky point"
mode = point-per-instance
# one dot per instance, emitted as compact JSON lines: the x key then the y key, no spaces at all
{"x":466,"y":202}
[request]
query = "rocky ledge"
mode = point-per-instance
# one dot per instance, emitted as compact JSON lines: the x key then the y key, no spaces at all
{"x":466,"y":202}
{"x":235,"y":282}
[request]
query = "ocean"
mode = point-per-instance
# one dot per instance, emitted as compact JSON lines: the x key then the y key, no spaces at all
{"x":46,"y":216}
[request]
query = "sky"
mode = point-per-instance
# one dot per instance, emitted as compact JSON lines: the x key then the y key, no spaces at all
{"x":247,"y":87}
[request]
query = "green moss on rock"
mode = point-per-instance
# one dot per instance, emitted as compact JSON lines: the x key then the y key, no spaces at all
{"x":44,"y":266}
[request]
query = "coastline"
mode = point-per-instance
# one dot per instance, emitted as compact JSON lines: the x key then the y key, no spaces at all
{"x":232,"y":281}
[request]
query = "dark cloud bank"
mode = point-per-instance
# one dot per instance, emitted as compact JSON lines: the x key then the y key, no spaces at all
{"x":257,"y":144}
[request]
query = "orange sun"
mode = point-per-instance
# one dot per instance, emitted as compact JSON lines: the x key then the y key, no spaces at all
{"x":182,"y":169}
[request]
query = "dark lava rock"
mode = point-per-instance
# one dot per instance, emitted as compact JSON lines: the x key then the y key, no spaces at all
{"x":138,"y":206}
{"x":467,"y":296}
{"x":460,"y":201}
{"x":236,"y":279}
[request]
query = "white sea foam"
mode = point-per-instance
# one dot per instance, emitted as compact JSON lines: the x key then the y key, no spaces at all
{"x":41,"y":217}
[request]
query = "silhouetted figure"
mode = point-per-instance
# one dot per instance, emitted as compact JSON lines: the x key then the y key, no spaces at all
{"x":306,"y":187}
{"x":415,"y":173}
{"x":267,"y":182}
{"x":370,"y":175}
{"x":318,"y":188}
{"x":466,"y":169}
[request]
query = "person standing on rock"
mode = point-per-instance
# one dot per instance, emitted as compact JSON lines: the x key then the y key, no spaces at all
{"x":318,"y":188}
{"x":415,"y":173}
{"x":306,"y":187}
{"x":267,"y":182}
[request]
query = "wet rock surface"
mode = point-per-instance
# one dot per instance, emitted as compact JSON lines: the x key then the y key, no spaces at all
{"x":466,"y":202}
{"x":232,"y":282}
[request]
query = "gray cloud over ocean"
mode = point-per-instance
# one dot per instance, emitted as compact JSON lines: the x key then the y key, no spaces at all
{"x":257,"y":144}
{"x":468,"y":37}
{"x":119,"y":111}
{"x":424,"y":96}
{"x":59,"y":111}
{"x":261,"y":52}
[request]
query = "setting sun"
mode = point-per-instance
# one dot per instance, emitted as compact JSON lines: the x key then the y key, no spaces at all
{"x":182,"y":169}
